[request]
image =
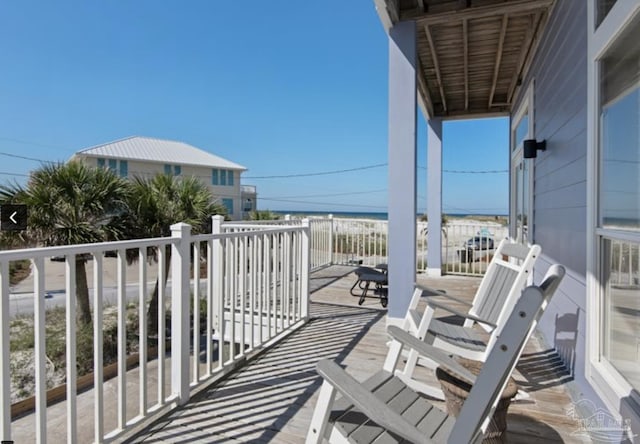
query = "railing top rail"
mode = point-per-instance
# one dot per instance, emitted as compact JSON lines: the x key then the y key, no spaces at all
{"x":235,"y":234}
{"x":98,"y":247}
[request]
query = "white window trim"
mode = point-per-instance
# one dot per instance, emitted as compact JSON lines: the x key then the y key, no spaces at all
{"x":527,"y":106}
{"x":606,"y":381}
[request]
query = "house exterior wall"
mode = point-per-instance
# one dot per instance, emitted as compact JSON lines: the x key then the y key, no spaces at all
{"x":559,"y":74}
{"x":223,"y":193}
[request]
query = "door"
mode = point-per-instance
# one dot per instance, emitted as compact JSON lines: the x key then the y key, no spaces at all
{"x":521,"y":202}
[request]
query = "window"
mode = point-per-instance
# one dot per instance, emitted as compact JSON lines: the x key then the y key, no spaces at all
{"x":174,"y":170}
{"x":619,"y":203}
{"x":228,"y":203}
{"x":613,"y":177}
{"x":117,"y":166}
{"x":621,"y":317}
{"x":222,"y":177}
{"x":124,"y":168}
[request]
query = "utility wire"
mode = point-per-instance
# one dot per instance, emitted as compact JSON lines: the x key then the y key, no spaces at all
{"x":324,"y":203}
{"x":23,"y":157}
{"x":323,"y":173}
{"x":328,"y":195}
{"x":26,"y":142}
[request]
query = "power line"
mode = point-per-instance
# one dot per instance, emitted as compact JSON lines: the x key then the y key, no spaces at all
{"x":23,"y":157}
{"x":328,"y":195}
{"x":475,"y":172}
{"x":13,"y":174}
{"x":324,"y":203}
{"x":323,"y":173}
{"x":26,"y":142}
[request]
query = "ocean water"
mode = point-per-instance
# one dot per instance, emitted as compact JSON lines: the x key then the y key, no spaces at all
{"x":366,"y":215}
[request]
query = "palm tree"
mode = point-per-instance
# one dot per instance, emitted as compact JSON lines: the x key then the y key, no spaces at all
{"x":72,"y":204}
{"x":158,"y":202}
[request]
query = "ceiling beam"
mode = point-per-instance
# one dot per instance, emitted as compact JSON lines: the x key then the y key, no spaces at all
{"x":393,"y":6}
{"x":421,"y":5}
{"x":524,"y":52}
{"x":436,"y":65}
{"x":512,"y":8}
{"x":496,"y":68}
{"x":465,"y":45}
{"x":424,"y":89}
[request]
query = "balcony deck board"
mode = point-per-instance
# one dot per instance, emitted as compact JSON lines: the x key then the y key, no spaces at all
{"x":272,"y":398}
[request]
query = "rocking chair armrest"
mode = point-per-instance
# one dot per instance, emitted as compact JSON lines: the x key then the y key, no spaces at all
{"x":368,"y":403}
{"x":441,"y":358}
{"x":454,"y":311}
{"x":438,"y":293}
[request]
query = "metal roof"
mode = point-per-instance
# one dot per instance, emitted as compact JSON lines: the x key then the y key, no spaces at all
{"x":148,"y":149}
{"x":473,"y":55}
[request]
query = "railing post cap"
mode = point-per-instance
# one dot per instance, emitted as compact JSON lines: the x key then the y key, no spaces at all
{"x":217,"y":217}
{"x":180,"y":227}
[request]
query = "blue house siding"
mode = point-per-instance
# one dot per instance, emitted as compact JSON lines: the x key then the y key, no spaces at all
{"x":559,"y":70}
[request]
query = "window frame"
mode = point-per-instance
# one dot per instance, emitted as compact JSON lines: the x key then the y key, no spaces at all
{"x":608,"y":383}
{"x":526,"y":107}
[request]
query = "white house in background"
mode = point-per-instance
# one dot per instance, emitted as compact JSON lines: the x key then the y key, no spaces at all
{"x":146,"y":157}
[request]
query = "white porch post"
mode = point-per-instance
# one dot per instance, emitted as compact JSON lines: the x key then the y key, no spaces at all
{"x":402,"y":168}
{"x":434,"y":197}
{"x":180,"y":264}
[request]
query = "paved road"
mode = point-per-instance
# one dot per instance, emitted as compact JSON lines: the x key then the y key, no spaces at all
{"x":23,"y":304}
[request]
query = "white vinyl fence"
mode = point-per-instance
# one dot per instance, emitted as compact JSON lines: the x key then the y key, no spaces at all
{"x":353,"y":241}
{"x":230,"y":293}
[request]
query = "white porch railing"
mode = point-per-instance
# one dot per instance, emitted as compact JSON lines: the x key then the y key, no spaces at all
{"x":231,"y":292}
{"x":352,"y":241}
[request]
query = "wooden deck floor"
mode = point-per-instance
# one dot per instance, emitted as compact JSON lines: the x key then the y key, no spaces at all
{"x":272,"y":398}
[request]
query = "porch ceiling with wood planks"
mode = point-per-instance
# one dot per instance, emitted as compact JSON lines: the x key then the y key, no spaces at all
{"x":472,"y":54}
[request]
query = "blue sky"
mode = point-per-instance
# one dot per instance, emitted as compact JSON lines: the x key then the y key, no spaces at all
{"x":280,"y":87}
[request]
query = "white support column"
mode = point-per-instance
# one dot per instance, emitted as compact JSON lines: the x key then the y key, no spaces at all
{"x":434,"y":199}
{"x":180,"y":262}
{"x":402,"y":168}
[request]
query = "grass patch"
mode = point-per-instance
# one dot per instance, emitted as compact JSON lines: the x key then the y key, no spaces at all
{"x":18,"y":271}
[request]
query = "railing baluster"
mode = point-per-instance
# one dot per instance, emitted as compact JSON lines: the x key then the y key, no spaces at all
{"x":5,"y":393}
{"x":210,"y":307}
{"x":286,"y":281}
{"x":304,"y":275}
{"x":98,"y":345}
{"x":231,"y":279}
{"x":262,"y":282}
{"x":196,"y":312}
{"x":142,"y":328}
{"x":70,"y":276}
{"x":39,"y":336}
{"x":216,"y":271}
{"x":122,"y":339}
{"x":162,"y":258}
{"x":242,"y":278}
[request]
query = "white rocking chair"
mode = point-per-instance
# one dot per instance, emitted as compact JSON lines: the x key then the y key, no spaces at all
{"x":384,"y":409}
{"x":501,"y":286}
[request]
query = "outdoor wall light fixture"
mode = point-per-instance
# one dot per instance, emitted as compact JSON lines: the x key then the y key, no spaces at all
{"x":531,"y":146}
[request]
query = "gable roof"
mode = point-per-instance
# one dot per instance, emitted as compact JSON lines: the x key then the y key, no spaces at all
{"x":148,"y":149}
